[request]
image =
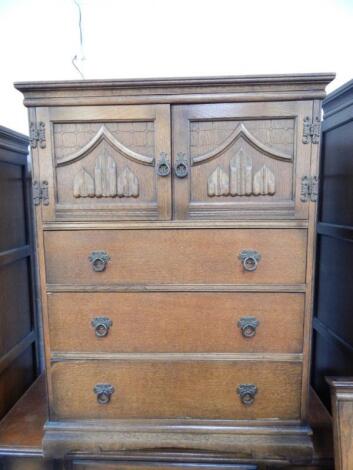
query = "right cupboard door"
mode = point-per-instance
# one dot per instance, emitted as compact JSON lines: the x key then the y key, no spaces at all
{"x":240,"y":160}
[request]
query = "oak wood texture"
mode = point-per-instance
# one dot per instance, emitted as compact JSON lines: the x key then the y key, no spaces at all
{"x":176,"y":322}
{"x":190,"y":389}
{"x":176,"y":257}
{"x":237,"y":157}
{"x":342,"y":417}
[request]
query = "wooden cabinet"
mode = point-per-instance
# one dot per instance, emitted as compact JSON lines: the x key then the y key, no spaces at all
{"x":176,"y":224}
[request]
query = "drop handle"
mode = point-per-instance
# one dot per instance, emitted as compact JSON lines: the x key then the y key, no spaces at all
{"x":247,"y":393}
{"x":248,"y":326}
{"x":163,"y":165}
{"x":101,"y":326}
{"x":103,"y":393}
{"x":99,"y":260}
{"x":181,"y":166}
{"x":250,"y":259}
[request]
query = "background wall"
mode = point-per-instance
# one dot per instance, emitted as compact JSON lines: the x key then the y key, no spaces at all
{"x":150,"y":38}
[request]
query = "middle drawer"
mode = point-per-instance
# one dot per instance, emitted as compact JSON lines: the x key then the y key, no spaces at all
{"x":176,"y":322}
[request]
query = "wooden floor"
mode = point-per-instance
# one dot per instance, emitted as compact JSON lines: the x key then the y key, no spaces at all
{"x":21,"y":433}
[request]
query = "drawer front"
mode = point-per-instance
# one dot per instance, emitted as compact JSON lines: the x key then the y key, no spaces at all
{"x":191,"y":256}
{"x":111,"y":465}
{"x":176,"y":389}
{"x":176,"y":322}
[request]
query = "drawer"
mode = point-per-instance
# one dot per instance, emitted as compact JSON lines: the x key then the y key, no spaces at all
{"x":191,"y":256}
{"x":111,"y":465}
{"x":176,"y":322}
{"x":174,"y":388}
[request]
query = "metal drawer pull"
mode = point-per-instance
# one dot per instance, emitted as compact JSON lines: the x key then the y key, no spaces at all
{"x":104,"y":393}
{"x":99,"y":260}
{"x":247,"y":393}
{"x":101,"y":326}
{"x":163,"y":166}
{"x":181,"y":166}
{"x":250,"y":259}
{"x":248,"y":326}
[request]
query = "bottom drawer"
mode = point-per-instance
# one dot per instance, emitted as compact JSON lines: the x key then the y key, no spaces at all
{"x":109,"y":465}
{"x":175,"y":388}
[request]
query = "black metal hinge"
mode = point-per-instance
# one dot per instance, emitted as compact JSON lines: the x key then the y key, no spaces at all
{"x":310,"y":189}
{"x":40,"y":193}
{"x":311,"y":130}
{"x":37,"y":135}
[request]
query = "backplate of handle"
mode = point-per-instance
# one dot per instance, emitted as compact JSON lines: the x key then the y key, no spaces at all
{"x":99,"y":260}
{"x":250,"y":259}
{"x":163,"y":165}
{"x":103,"y":393}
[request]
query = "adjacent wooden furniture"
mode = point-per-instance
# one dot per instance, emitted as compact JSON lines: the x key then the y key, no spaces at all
{"x":342,"y":411}
{"x":333,"y":321}
{"x":176,"y":229}
{"x":19,"y":361}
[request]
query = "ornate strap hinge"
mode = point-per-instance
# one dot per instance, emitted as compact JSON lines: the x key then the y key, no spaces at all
{"x":40,"y":193}
{"x":310,"y":189}
{"x":311,"y":130}
{"x":37,"y":135}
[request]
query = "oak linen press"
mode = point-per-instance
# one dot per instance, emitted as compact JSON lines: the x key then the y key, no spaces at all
{"x":175,"y":228}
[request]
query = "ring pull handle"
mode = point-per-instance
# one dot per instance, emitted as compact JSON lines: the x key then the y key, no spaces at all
{"x":248,"y":326}
{"x":99,"y":260}
{"x":250,"y":259}
{"x":104,"y":393}
{"x":181,"y":166}
{"x":163,"y":165}
{"x":247,"y":393}
{"x":101,"y":326}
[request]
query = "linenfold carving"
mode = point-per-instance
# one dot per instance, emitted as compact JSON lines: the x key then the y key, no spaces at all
{"x":240,"y":181}
{"x":218,"y":183}
{"x":128,"y":184}
{"x":106,"y":182}
{"x":264,"y":182}
{"x":105,"y":176}
{"x":240,"y":174}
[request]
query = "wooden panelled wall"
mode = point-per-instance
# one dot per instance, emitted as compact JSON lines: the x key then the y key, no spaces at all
{"x":19,"y":362}
{"x":333,"y":319}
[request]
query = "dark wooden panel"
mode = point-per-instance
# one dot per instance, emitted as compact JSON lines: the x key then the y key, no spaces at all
{"x":335,"y":275}
{"x":337,"y":176}
{"x":329,"y":359}
{"x":12,"y":207}
{"x":15,"y":379}
{"x":15,"y":306}
{"x":110,"y":465}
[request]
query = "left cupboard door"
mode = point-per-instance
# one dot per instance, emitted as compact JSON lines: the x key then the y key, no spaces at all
{"x":103,"y":162}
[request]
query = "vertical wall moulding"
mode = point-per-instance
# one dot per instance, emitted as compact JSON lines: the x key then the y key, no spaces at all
{"x":105,"y":176}
{"x":128,"y":184}
{"x":218,"y":183}
{"x":240,"y":174}
{"x":83,"y":184}
{"x":264,"y":182}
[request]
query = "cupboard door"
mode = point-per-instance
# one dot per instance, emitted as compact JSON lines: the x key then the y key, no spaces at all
{"x":102,"y":162}
{"x":240,"y":160}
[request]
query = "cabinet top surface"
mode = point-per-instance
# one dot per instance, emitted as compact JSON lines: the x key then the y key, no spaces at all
{"x":182,"y":90}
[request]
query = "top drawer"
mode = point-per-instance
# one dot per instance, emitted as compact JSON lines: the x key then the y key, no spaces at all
{"x":165,"y":256}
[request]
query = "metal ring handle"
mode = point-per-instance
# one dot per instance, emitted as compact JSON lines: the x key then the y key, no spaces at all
{"x":99,"y":260}
{"x":181,"y":166}
{"x":247,"y":393}
{"x":249,"y":259}
{"x":101,"y":326}
{"x":103,"y":393}
{"x":163,"y":166}
{"x":248,"y":326}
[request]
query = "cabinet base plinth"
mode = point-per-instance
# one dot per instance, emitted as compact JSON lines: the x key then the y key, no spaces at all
{"x":282,"y":443}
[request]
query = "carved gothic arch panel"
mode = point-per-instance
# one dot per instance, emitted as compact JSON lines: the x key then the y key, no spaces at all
{"x":241,"y":132}
{"x":104,"y":135}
